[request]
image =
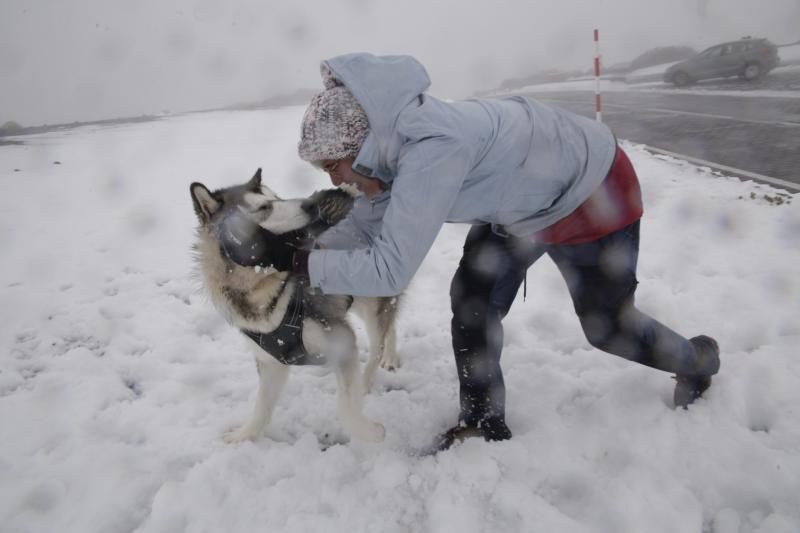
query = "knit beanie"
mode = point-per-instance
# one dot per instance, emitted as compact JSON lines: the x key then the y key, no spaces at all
{"x":334,"y":125}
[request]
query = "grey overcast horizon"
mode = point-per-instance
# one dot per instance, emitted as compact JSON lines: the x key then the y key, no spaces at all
{"x":64,"y":61}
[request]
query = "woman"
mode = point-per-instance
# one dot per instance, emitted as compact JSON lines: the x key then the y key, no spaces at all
{"x":531,"y":180}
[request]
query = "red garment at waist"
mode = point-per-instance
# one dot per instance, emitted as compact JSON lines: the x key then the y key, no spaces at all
{"x":615,"y":204}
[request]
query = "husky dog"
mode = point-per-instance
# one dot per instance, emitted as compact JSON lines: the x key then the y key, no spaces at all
{"x":288,"y":322}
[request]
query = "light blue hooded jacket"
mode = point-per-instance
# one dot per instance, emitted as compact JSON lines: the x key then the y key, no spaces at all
{"x":512,"y":162}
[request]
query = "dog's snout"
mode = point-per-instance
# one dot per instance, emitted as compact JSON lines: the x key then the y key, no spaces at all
{"x":309,"y":206}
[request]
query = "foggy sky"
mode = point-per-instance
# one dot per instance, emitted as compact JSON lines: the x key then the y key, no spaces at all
{"x":64,"y":60}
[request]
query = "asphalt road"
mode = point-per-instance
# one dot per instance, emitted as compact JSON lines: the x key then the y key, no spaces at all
{"x":755,"y":134}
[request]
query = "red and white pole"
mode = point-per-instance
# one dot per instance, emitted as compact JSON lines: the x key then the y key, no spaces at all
{"x":597,"y":107}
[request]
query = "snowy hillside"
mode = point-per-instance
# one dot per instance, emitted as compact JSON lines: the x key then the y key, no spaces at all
{"x":118,"y":378}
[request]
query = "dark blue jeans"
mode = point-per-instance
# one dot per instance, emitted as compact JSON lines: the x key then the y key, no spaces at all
{"x":601,"y":277}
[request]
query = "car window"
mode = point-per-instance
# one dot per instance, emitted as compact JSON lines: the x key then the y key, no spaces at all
{"x":712,"y":52}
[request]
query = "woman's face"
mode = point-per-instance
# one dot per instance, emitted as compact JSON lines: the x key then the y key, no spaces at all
{"x":341,"y":171}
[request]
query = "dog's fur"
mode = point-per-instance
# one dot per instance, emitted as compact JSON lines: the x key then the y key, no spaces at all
{"x":252,"y":299}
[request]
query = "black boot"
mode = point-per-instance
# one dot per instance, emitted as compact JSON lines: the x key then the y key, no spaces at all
{"x":688,"y":388}
{"x":453,"y":435}
{"x":494,"y":429}
{"x":491,"y":429}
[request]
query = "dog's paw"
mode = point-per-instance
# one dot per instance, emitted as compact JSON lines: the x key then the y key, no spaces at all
{"x":242,"y":434}
{"x":372,"y":432}
{"x":390,"y":363}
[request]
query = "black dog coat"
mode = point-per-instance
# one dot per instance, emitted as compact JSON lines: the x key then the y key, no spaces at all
{"x":285,"y":343}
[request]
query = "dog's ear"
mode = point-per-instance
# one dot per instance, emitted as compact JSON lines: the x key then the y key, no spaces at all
{"x":205,"y":205}
{"x":254,"y":185}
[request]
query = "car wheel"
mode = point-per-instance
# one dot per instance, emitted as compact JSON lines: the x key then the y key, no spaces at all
{"x":752,"y":71}
{"x":681,"y":79}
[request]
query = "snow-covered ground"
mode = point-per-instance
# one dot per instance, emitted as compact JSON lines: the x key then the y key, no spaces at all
{"x":118,"y":378}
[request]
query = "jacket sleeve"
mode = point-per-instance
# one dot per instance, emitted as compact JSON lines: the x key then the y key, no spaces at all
{"x":429,"y":177}
{"x":359,"y":228}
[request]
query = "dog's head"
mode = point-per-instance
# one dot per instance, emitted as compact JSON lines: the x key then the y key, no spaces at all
{"x":255,"y":200}
{"x":239,"y":291}
{"x":262,"y":206}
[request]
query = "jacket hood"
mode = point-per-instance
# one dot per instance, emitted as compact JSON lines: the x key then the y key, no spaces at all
{"x":384,"y":86}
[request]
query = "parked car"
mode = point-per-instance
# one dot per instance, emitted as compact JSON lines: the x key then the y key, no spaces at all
{"x":748,"y":58}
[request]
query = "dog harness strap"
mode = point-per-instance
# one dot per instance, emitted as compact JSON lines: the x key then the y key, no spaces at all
{"x":285,"y":343}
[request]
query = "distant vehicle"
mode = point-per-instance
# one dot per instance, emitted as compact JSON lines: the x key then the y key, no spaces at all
{"x":748,"y":58}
